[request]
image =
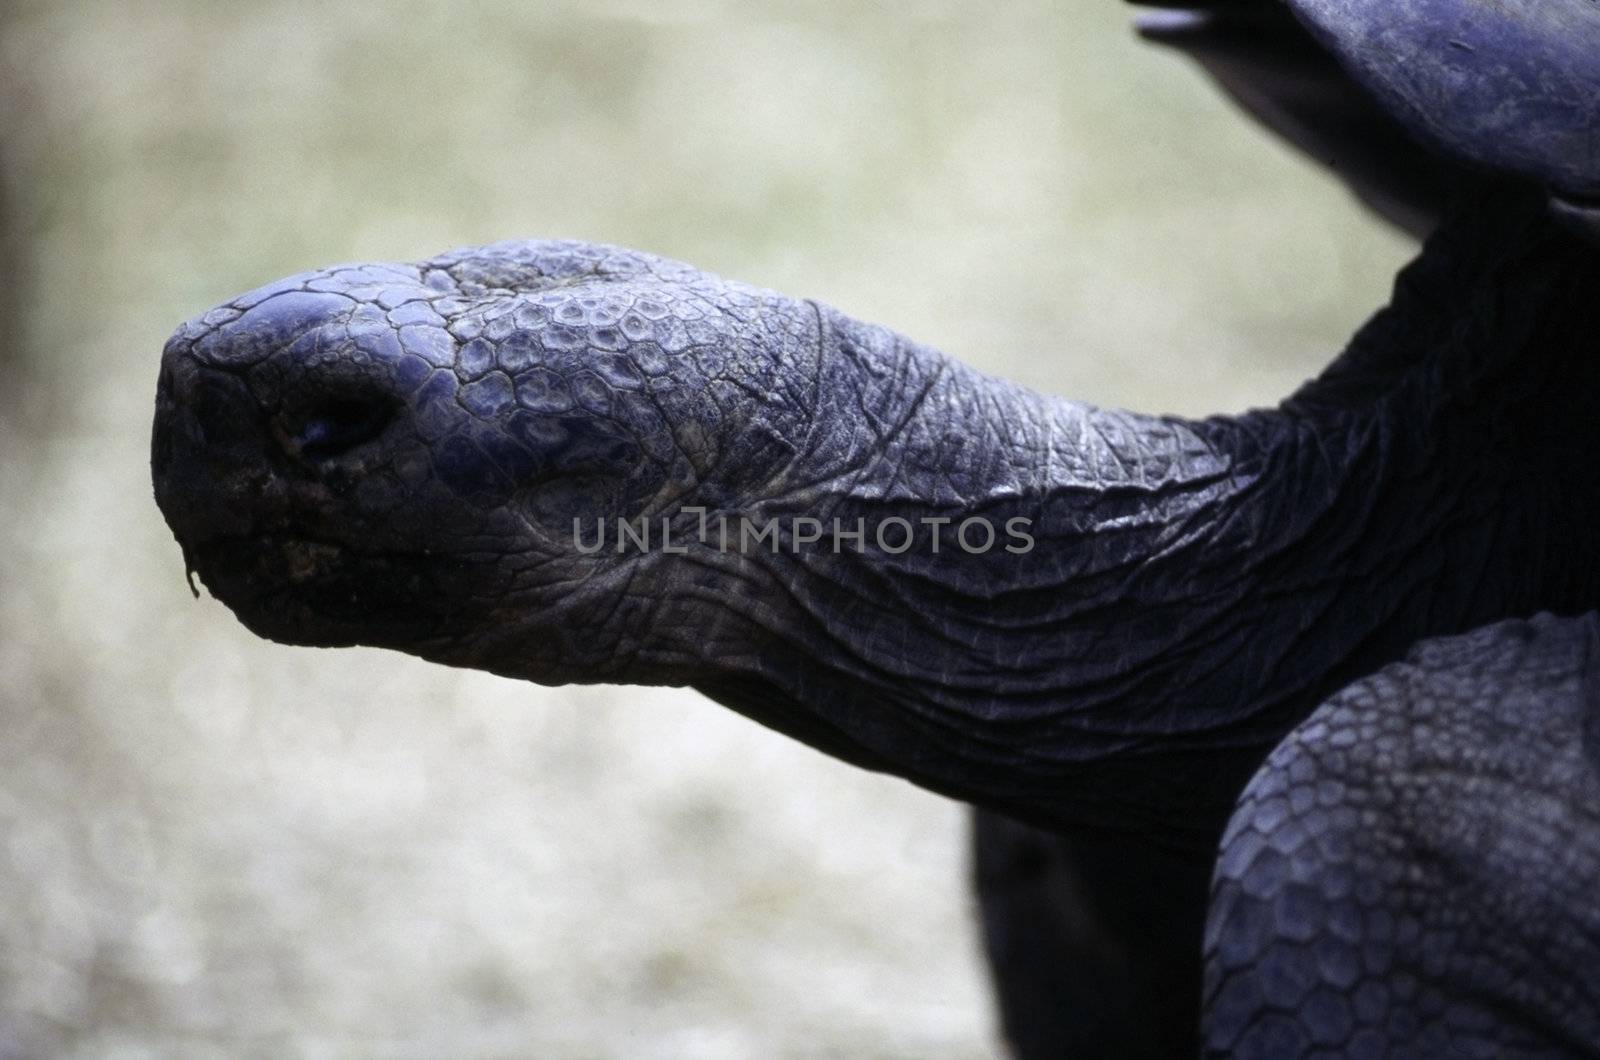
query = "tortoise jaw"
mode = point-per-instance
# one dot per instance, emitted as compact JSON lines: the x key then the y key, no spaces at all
{"x":319,"y":592}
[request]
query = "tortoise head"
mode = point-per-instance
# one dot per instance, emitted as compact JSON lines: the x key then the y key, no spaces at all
{"x":401,"y":455}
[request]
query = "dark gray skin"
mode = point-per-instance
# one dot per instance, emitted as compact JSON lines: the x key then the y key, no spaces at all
{"x":1413,"y":870}
{"x":394,"y":455}
{"x":340,"y":474}
{"x":364,"y":456}
{"x":1117,"y":907}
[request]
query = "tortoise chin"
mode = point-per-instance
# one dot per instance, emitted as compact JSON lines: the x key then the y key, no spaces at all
{"x":324,"y":593}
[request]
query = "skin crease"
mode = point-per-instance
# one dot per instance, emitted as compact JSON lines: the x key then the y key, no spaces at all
{"x":394,"y":455}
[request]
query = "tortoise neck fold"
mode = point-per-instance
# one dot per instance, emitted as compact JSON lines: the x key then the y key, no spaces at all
{"x":1191,"y":589}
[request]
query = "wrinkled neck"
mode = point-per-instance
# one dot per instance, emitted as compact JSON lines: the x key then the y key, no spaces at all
{"x":1191,"y":589}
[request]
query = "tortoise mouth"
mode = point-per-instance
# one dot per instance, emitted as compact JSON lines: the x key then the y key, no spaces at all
{"x":302,"y":589}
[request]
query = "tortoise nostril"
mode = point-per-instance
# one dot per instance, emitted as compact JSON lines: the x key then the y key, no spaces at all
{"x":336,"y":426}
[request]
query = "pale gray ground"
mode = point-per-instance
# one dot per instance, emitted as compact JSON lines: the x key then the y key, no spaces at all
{"x":212,"y":844}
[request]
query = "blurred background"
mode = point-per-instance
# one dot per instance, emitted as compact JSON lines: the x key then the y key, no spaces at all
{"x":211,"y":845}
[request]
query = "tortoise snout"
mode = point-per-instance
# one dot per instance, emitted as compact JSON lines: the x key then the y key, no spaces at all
{"x":208,"y":458}
{"x":201,"y":408}
{"x":241,"y":449}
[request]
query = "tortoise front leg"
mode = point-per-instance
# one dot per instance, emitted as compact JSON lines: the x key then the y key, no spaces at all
{"x":1413,"y":871}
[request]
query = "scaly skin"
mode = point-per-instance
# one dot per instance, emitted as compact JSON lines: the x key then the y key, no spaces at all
{"x":1502,"y":323}
{"x":1412,"y":873}
{"x":395,"y":455}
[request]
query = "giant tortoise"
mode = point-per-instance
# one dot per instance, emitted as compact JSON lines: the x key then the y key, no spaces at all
{"x":1283,"y":727}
